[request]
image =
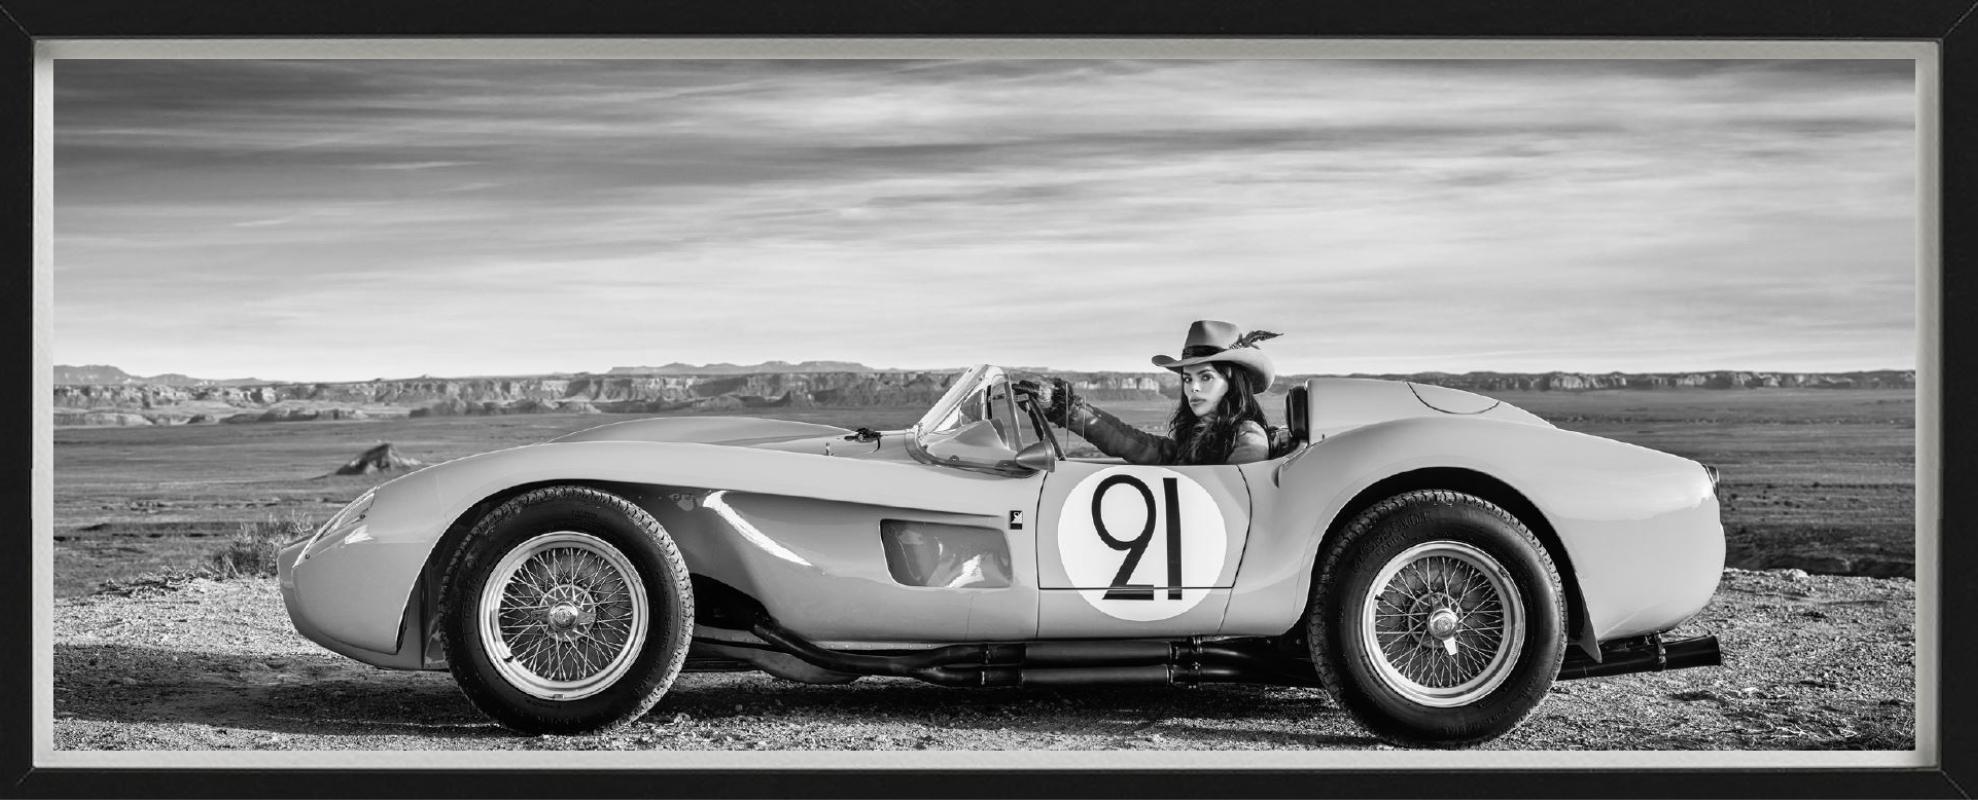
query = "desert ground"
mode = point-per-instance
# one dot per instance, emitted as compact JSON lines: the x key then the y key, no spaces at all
{"x":152,"y":652}
{"x":1812,"y":662}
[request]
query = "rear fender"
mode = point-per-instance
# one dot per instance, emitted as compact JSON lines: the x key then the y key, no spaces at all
{"x":1637,"y":528}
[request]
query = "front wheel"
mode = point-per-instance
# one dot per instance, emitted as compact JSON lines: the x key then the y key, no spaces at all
{"x":1437,"y":620}
{"x":566,"y":610}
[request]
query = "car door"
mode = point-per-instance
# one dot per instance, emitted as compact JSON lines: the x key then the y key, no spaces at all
{"x":1129,"y":550}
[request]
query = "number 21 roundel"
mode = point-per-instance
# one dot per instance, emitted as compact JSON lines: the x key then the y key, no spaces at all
{"x":1140,"y":543}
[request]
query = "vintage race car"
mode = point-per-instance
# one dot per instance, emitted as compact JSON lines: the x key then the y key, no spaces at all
{"x":1432,"y":557}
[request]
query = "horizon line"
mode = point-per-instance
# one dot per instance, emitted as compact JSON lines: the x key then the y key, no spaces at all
{"x":1020,"y":368}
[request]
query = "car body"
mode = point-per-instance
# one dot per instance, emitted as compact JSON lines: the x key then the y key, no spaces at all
{"x":975,"y":528}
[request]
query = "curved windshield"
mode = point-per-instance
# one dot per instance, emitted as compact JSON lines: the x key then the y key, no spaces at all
{"x":946,"y":411}
{"x":975,"y":425}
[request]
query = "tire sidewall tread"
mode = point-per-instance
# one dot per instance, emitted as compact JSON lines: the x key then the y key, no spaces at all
{"x":1380,"y":533}
{"x":619,"y":523}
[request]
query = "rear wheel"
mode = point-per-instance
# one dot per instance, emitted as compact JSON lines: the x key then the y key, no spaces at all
{"x":1437,"y":620}
{"x":566,"y":610}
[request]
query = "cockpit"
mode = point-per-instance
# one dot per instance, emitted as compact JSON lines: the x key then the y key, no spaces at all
{"x":984,"y":423}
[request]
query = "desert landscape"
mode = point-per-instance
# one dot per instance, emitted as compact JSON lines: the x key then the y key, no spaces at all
{"x":171,"y":494}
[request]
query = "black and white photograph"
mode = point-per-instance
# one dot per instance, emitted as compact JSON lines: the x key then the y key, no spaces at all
{"x":954,"y":411}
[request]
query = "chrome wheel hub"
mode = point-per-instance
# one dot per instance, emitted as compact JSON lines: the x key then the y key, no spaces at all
{"x":571,"y":616}
{"x":1443,"y":623}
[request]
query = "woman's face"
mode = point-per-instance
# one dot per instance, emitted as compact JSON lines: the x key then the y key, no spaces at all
{"x":1202,"y":387}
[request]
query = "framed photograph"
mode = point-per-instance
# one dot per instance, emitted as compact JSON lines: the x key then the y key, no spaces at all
{"x":767,"y":400}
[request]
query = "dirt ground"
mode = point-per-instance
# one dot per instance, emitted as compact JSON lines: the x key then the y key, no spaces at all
{"x":1812,"y":663}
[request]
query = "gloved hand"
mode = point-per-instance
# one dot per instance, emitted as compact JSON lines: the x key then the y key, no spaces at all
{"x":1054,"y":395}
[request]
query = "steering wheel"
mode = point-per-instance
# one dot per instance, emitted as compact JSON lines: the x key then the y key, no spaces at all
{"x":1071,"y":402}
{"x":1038,"y":419}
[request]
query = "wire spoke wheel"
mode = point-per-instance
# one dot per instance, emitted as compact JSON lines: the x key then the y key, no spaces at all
{"x":1437,"y":619}
{"x":564,"y":615}
{"x":1443,"y":623}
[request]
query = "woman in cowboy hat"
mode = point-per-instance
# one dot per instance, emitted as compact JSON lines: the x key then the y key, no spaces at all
{"x":1218,"y":420}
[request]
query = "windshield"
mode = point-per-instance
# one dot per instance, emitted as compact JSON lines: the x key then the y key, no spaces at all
{"x":975,"y":425}
{"x":947,"y":411}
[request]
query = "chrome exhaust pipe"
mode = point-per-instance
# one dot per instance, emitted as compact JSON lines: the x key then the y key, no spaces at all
{"x":1058,"y":663}
{"x":1648,"y":654}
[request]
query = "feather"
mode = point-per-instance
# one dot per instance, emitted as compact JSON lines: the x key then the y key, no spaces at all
{"x":1252,"y":338}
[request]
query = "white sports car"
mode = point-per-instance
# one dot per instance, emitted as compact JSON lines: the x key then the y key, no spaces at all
{"x":1434,"y":558}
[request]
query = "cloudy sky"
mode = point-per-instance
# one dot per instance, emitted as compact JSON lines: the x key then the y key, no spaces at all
{"x":342,"y":220}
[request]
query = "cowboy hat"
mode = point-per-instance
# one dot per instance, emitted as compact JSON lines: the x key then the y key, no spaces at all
{"x":1215,"y":340}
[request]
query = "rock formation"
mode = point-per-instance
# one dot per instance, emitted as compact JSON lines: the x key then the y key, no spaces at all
{"x":103,"y":374}
{"x":383,"y":458}
{"x":677,"y":368}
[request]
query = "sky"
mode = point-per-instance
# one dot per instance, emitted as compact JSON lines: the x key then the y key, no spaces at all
{"x":346,"y":220}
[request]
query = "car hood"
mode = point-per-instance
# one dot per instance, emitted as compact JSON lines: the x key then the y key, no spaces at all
{"x":737,"y":431}
{"x":765,"y":434}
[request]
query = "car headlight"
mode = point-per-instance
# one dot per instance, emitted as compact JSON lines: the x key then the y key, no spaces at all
{"x":1712,"y":472}
{"x":346,"y":521}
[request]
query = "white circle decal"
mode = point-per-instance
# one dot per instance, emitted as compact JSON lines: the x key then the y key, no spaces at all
{"x":1141,"y":543}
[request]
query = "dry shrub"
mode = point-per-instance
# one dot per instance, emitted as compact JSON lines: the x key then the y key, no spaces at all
{"x":252,"y":550}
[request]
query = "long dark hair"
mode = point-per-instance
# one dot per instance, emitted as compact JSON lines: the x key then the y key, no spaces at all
{"x":1198,"y":443}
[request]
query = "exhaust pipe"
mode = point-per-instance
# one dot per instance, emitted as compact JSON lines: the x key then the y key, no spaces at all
{"x":1067,"y":663}
{"x":1650,"y":654}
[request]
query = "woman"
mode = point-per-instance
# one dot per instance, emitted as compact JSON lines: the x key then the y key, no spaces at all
{"x":1218,"y":420}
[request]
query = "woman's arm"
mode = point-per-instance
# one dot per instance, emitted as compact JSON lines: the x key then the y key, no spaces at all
{"x":1116,"y":438}
{"x":1252,"y":444}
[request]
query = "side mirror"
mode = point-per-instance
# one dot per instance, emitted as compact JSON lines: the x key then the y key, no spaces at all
{"x":1037,"y":457}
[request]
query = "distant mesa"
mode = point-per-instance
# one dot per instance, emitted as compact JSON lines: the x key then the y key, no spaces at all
{"x":448,"y":407}
{"x":730,"y":389}
{"x":383,"y":458}
{"x":93,"y":374}
{"x":500,"y":399}
{"x":294,"y":415}
{"x":106,"y":375}
{"x":677,"y":368}
{"x":102,"y":419}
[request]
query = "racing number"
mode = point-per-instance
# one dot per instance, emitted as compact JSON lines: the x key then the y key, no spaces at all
{"x":1137,"y":546}
{"x":1115,"y":520}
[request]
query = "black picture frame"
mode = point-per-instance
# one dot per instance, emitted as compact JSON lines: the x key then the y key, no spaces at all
{"x":1943,"y":22}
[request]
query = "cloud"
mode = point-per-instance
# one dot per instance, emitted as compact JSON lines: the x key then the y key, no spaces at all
{"x":397,"y":217}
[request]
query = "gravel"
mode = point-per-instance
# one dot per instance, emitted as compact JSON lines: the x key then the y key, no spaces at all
{"x":1814,"y":662}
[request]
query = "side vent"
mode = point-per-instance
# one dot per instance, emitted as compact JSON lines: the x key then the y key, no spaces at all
{"x":945,"y":556}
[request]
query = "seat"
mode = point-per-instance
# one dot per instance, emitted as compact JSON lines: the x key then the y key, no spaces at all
{"x":1296,"y":430}
{"x":1298,"y":413}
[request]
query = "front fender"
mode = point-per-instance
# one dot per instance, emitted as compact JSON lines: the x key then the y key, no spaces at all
{"x":356,"y":591}
{"x":1640,"y":527}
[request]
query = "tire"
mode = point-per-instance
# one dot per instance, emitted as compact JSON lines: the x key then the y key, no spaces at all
{"x":1428,"y":561}
{"x":606,"y":620}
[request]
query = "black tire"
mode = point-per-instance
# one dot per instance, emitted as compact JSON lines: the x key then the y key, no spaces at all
{"x":558,"y":544}
{"x":1430,"y":540}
